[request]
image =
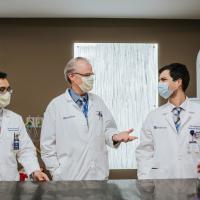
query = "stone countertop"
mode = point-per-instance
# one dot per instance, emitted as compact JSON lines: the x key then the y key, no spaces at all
{"x":102,"y":190}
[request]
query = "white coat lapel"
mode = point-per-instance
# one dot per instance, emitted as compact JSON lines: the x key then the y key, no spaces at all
{"x":186,"y":117}
{"x":5,"y":122}
{"x":168,"y":117}
{"x":70,"y":100}
{"x":90,"y":111}
{"x":90,"y":103}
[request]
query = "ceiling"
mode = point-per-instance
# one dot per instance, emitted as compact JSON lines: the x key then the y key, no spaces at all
{"x":154,"y":9}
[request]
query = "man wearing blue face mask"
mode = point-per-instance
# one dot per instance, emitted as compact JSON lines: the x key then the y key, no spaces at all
{"x":170,"y":138}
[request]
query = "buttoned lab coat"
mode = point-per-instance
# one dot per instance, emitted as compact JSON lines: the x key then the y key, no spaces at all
{"x":165,"y":154}
{"x":26,"y":155}
{"x":71,"y":147}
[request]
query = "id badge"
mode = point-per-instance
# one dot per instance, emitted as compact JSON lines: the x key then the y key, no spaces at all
{"x":15,"y":144}
{"x":193,"y":147}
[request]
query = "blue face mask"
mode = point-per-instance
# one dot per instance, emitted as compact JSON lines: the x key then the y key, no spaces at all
{"x":164,"y":91}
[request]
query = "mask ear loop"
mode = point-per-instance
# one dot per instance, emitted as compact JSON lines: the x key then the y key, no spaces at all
{"x":70,"y":75}
{"x":175,"y":90}
{"x":67,"y":78}
{"x":181,"y":83}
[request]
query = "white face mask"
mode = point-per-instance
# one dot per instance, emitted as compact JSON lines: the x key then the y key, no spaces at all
{"x":5,"y":99}
{"x":87,"y":83}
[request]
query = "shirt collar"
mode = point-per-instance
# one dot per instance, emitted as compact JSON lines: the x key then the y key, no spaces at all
{"x":184,"y":105}
{"x":76,"y":97}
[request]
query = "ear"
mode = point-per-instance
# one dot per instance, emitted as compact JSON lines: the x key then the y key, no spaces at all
{"x":179,"y":82}
{"x":69,"y":77}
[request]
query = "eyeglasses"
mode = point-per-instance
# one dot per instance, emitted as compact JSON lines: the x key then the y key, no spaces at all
{"x":3,"y":90}
{"x":86,"y":75}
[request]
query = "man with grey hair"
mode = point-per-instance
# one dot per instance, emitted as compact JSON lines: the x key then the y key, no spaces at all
{"x":77,"y":127}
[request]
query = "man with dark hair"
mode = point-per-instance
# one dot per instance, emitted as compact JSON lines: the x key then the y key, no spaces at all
{"x":14,"y":141}
{"x":170,"y":136}
{"x":177,"y":71}
{"x":3,"y":75}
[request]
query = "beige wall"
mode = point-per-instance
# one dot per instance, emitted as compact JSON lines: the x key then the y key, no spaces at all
{"x":34,"y":52}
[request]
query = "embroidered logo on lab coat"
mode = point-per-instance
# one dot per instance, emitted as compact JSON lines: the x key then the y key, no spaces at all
{"x":69,"y":117}
{"x":13,"y":129}
{"x":159,"y":127}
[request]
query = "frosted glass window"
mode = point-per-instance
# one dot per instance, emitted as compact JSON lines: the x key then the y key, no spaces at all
{"x":126,"y":76}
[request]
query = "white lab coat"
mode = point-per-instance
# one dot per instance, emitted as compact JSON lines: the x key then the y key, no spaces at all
{"x":71,"y":149}
{"x":164,"y":154}
{"x":26,"y":155}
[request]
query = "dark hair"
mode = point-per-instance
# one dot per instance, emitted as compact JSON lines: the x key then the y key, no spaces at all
{"x":3,"y":75}
{"x":178,"y":71}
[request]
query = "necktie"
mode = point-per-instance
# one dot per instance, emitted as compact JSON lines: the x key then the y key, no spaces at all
{"x":176,"y":116}
{"x":84,"y":105}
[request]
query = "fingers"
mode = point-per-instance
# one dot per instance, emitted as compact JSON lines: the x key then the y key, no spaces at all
{"x":41,"y":177}
{"x":130,"y":130}
{"x":124,"y":136}
{"x":198,"y":168}
{"x":127,"y":138}
{"x":45,"y":177}
{"x":132,"y":138}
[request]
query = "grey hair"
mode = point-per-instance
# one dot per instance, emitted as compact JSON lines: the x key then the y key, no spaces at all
{"x":71,"y":66}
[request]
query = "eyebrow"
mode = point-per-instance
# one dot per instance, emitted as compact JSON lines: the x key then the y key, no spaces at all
{"x":163,"y":78}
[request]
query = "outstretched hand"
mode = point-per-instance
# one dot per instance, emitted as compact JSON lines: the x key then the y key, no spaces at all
{"x":40,"y":176}
{"x":124,"y":136}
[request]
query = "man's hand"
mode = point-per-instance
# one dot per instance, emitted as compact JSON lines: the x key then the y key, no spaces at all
{"x":124,"y":136}
{"x":39,"y":176}
{"x":198,"y":168}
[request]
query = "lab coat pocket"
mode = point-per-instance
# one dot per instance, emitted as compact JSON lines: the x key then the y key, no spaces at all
{"x":98,"y":121}
{"x":56,"y":175}
{"x":10,"y":155}
{"x":64,"y":163}
{"x":157,"y":173}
